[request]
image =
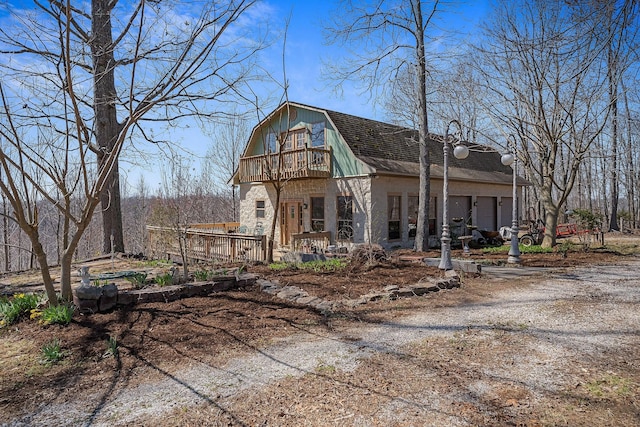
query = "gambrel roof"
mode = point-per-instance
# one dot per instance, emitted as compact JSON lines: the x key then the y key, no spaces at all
{"x":394,"y":150}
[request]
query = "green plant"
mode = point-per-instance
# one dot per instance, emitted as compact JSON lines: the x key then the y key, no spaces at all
{"x":533,"y":249}
{"x":112,"y":348}
{"x":97,"y":283}
{"x":610,"y":386}
{"x":587,"y":219}
{"x":154,"y":263}
{"x":52,"y":352}
{"x":202,"y":275}
{"x":60,"y":314}
{"x":279,"y":266}
{"x":332,"y":264}
{"x":164,"y":279}
{"x":138,"y":279}
{"x":12,"y":309}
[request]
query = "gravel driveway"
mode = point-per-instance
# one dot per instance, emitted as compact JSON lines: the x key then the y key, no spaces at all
{"x":531,"y":353}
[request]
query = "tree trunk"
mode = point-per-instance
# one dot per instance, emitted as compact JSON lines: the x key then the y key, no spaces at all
{"x":107,"y":127}
{"x":274,"y":222}
{"x":5,"y":234}
{"x":630,"y":167}
{"x":613,"y":100}
{"x":550,"y":216}
{"x":424,"y":193}
{"x":46,"y":273}
{"x":65,"y":275}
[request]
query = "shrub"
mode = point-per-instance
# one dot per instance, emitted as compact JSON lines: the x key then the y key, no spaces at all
{"x":21,"y":304}
{"x":57,"y":314}
{"x":112,"y":348}
{"x":52,"y":352}
{"x":164,"y":279}
{"x":202,"y":275}
{"x":138,"y":279}
{"x":279,"y":266}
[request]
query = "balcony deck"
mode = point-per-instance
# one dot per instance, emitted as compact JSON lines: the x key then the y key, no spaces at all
{"x":294,"y":164}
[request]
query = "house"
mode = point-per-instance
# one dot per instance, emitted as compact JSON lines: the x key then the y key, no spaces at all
{"x":357,"y":180}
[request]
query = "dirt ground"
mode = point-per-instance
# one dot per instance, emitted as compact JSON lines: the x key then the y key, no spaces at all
{"x":156,"y":339}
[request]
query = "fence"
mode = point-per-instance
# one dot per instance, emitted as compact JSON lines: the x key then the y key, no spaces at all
{"x":208,"y":243}
{"x":311,"y":242}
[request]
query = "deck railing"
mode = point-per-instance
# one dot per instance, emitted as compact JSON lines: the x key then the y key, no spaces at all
{"x":305,"y":162}
{"x":316,"y":242}
{"x":206,"y":244}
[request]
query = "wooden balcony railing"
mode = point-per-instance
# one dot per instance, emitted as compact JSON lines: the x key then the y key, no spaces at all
{"x":298,"y":163}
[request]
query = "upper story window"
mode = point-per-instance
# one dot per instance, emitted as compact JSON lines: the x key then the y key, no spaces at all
{"x":295,"y":139}
{"x":271,"y":143}
{"x":317,"y":134}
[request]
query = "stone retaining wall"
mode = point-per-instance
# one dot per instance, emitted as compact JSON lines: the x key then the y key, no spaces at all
{"x":95,"y":299}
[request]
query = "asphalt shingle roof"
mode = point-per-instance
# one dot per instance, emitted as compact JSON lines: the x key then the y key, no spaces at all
{"x":394,"y":149}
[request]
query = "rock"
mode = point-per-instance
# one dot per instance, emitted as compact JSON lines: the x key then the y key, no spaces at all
{"x":291,"y":293}
{"x":405,"y":292}
{"x":110,"y":290}
{"x":89,"y":306}
{"x":442,"y":283}
{"x":375,"y":296}
{"x":300,"y":257}
{"x":109,"y":297}
{"x":307,"y":300}
{"x":421,"y":289}
{"x":88,"y":292}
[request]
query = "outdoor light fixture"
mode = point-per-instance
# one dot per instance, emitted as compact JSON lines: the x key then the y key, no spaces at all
{"x":511,"y":159}
{"x":460,"y":152}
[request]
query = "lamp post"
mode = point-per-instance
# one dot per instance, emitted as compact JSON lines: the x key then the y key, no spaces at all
{"x":507,"y":160}
{"x":460,"y":152}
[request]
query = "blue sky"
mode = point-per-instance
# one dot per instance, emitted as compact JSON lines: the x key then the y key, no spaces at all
{"x":305,"y":52}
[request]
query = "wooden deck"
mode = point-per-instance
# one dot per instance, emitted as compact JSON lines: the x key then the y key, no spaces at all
{"x":207,"y":244}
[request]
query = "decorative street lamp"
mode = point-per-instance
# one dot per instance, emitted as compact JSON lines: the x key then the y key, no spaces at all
{"x":507,"y":160}
{"x":460,"y":152}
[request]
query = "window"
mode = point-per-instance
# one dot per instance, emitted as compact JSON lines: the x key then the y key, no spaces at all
{"x":317,"y":134}
{"x":271,"y":143}
{"x":432,"y":216}
{"x":393,"y":215}
{"x":317,"y":213}
{"x":295,"y":139}
{"x":412,"y":216}
{"x":260,"y":208}
{"x":345,"y":218}
{"x":317,"y":141}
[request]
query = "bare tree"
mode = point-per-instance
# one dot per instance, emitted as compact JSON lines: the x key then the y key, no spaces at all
{"x":170,"y":60}
{"x":548,"y":88}
{"x":223,"y":155}
{"x":35,"y":173}
{"x":180,"y":201}
{"x":387,"y":40}
{"x":163,"y":66}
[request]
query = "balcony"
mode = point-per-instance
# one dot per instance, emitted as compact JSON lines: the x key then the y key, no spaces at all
{"x":294,"y":164}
